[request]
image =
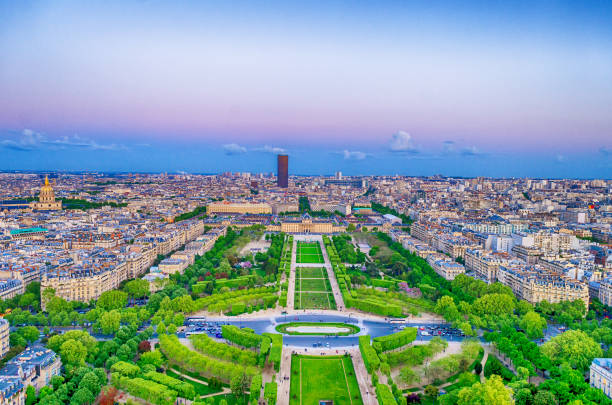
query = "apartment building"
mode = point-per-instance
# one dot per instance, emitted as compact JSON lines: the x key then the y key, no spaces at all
{"x":601,"y":375}
{"x":444,"y":266}
{"x":34,"y":366}
{"x":533,"y":283}
{"x":4,"y":337}
{"x":10,"y":288}
{"x":226,"y":207}
{"x":485,"y":263}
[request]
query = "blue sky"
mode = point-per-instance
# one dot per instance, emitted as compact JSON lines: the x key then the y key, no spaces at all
{"x":457,"y":88}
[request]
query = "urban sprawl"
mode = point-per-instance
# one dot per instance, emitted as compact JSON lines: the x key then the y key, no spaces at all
{"x":244,"y":288}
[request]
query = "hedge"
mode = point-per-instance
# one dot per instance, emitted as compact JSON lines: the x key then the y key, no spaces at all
{"x":383,"y":283}
{"x":395,"y":340}
{"x":183,"y":389}
{"x":255,"y":389}
{"x":241,"y":281}
{"x":240,"y":337}
{"x":222,"y":351}
{"x":150,"y":391}
{"x":203,"y":365}
{"x":276,"y":349}
{"x":370,"y":358}
{"x":270,"y":392}
{"x":376,"y":306}
{"x":126,"y":369}
{"x":384,"y":395}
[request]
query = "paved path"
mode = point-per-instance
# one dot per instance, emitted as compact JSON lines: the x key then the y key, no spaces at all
{"x":291,"y":285}
{"x":363,"y":379}
{"x":332,"y":279}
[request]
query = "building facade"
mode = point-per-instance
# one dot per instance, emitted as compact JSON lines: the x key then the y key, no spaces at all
{"x":283,"y":171}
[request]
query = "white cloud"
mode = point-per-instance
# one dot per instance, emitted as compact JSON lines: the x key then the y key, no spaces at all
{"x":31,"y":140}
{"x":271,"y":149}
{"x":234,"y":149}
{"x":401,"y":141}
{"x":471,"y":151}
{"x":75,"y":141}
{"x":354,"y":155}
{"x":448,"y":146}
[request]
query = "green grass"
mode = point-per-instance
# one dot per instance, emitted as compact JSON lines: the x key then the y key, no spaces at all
{"x":313,"y":284}
{"x":313,"y":289}
{"x":200,"y":389}
{"x":314,"y":300}
{"x":315,"y":378}
{"x":231,"y":399}
{"x":309,"y":252}
{"x":310,"y":272}
{"x":282,"y":328}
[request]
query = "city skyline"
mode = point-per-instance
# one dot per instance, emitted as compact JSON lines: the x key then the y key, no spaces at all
{"x":417,"y":89}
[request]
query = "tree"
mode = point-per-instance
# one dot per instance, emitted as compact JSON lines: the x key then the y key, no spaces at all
{"x":91,"y":382}
{"x":113,"y":299}
{"x":30,"y":395}
{"x":161,"y":328}
{"x":492,"y":392}
{"x":73,"y":352}
{"x":544,"y":398}
{"x":108,"y":395}
{"x":533,"y":325}
{"x":523,"y":397}
{"x":110,"y":322}
{"x":446,"y":307}
{"x":408,"y":376}
{"x":82,"y":396}
{"x":574,"y":347}
{"x":153,"y":357}
{"x":171,"y":330}
{"x":431,"y":391}
{"x":137,"y":288}
{"x":239,"y":384}
{"x":144,"y":346}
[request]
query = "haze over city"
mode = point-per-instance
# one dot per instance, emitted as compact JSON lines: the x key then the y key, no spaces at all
{"x":478,"y":89}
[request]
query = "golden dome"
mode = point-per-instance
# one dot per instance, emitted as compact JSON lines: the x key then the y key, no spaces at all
{"x":46,"y":186}
{"x":46,"y":192}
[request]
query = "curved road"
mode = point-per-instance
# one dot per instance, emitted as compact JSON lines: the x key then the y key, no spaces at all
{"x":368,"y":327}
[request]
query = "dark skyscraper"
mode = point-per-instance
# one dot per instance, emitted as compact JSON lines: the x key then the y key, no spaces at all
{"x":283,"y":171}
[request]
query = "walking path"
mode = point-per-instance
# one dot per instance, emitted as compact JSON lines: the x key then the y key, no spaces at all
{"x":363,"y":378}
{"x":332,"y":279}
{"x":291,"y":285}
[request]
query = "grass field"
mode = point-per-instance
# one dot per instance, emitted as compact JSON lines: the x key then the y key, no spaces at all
{"x":315,"y":378}
{"x":282,"y":328}
{"x":309,"y":252}
{"x":313,"y":289}
{"x":310,"y":272}
{"x":313,"y":284}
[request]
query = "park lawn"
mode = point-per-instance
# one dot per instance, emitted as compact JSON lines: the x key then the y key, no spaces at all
{"x":314,"y":300}
{"x":313,"y":284}
{"x":231,"y":399}
{"x":316,"y":378}
{"x":282,"y":328}
{"x":309,"y":253}
{"x":310,"y":272}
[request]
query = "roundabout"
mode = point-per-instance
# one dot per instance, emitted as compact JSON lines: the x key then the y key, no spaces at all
{"x":317,"y":329}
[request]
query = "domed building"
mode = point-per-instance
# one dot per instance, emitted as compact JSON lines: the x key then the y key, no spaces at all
{"x":46,"y":199}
